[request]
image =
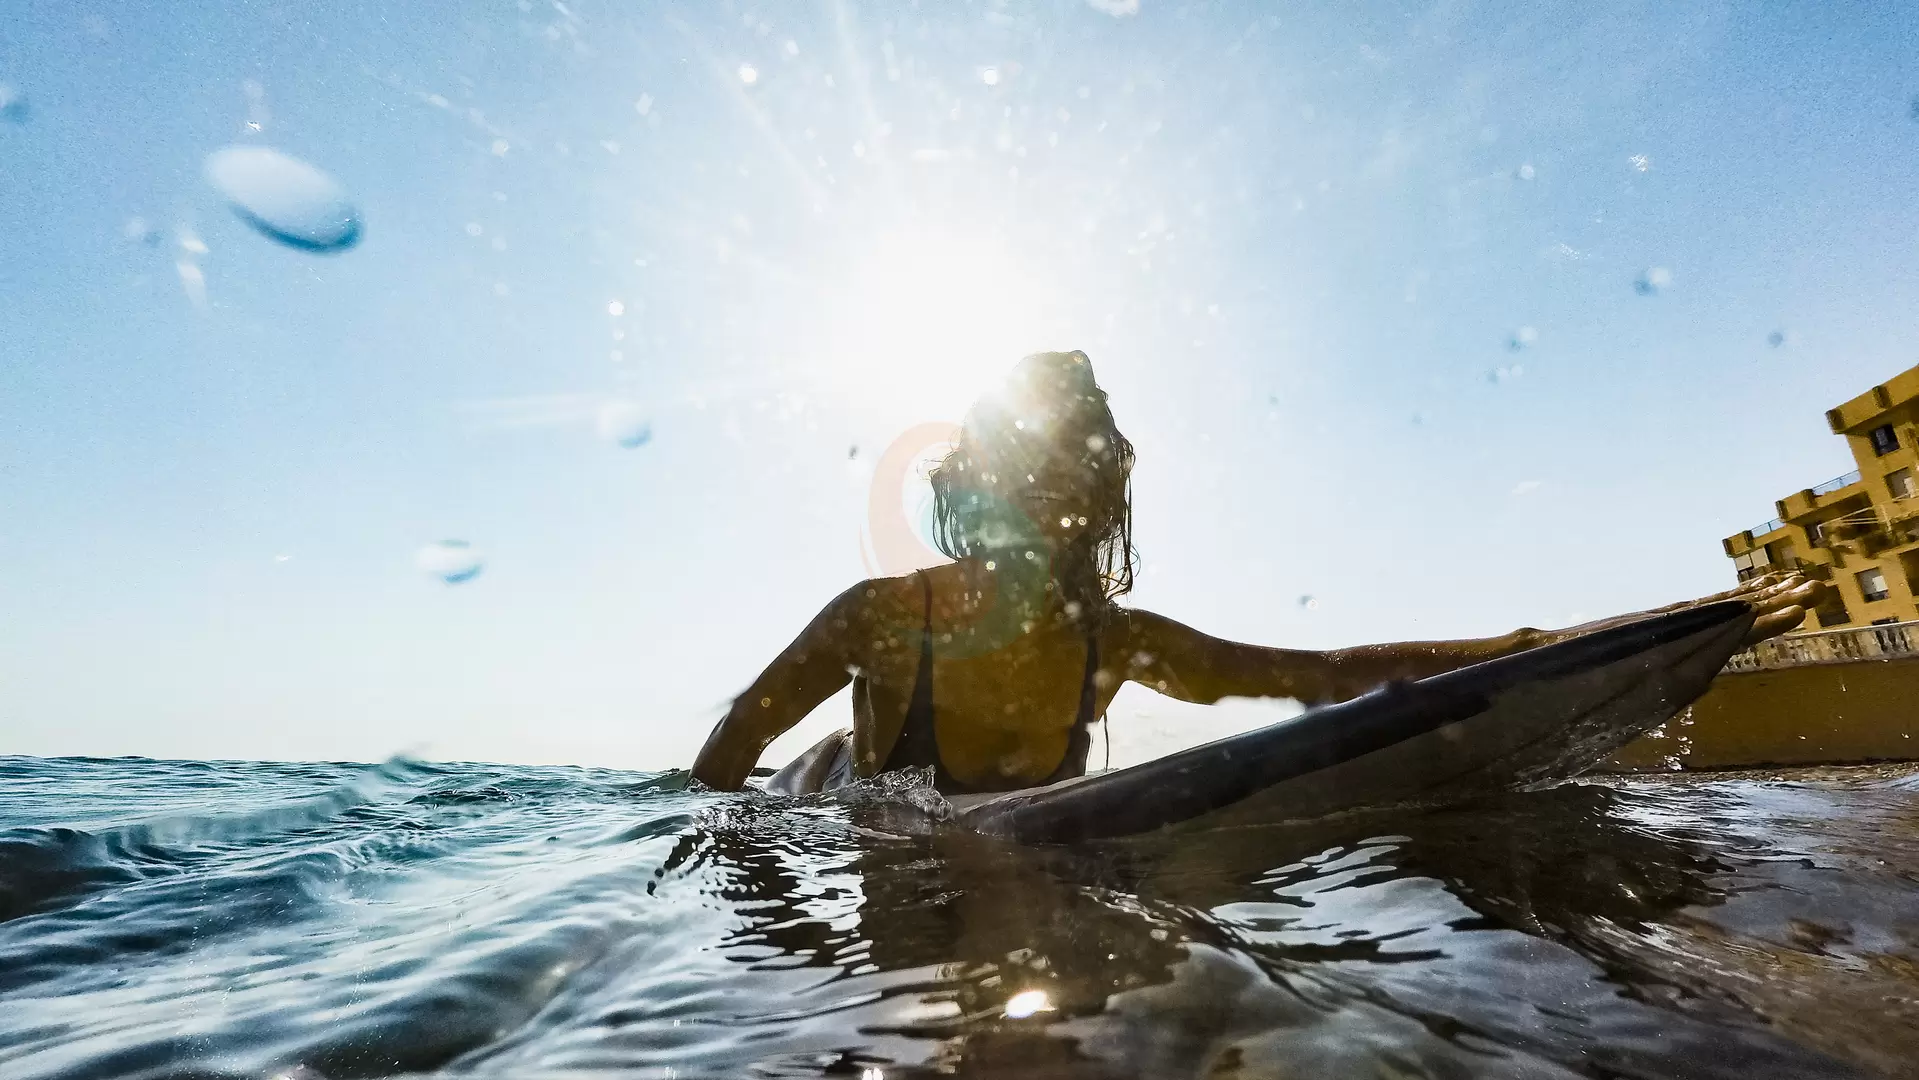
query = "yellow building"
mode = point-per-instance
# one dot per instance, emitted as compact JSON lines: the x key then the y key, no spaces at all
{"x":1858,"y":532}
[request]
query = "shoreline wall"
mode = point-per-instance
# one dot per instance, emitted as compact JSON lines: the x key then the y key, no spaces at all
{"x":1809,"y":714}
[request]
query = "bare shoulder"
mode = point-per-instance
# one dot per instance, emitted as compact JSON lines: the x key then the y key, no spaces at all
{"x":1133,"y":638}
{"x":877,"y":604}
{"x":1136,"y":628}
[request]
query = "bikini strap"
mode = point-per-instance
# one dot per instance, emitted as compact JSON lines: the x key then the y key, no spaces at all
{"x":1089,"y":683}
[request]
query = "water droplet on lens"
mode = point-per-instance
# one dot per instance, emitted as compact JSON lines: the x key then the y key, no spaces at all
{"x":1776,"y":338}
{"x":500,"y":147}
{"x":452,"y":561}
{"x":284,"y":198}
{"x":1654,"y":279}
{"x":615,"y":309}
{"x":624,"y":424}
{"x":1526,"y":171}
{"x":749,"y":74}
{"x":13,"y":105}
{"x":1096,"y":443}
{"x":137,"y":230}
{"x":1309,"y":602}
{"x":989,"y":76}
{"x":1522,"y":338}
{"x":193,"y":281}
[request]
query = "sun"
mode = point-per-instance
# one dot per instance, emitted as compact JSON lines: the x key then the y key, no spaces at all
{"x":931,"y":317}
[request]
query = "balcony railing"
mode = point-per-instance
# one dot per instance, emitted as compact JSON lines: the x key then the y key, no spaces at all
{"x":1836,"y":483}
{"x":1830,"y":647}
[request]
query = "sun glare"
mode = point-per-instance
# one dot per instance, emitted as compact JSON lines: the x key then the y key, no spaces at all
{"x":930,"y":318}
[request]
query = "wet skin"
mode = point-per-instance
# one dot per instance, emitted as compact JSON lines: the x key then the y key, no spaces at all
{"x":1009,"y":654}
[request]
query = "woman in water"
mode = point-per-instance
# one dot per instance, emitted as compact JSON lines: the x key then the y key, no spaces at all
{"x":992,"y":668}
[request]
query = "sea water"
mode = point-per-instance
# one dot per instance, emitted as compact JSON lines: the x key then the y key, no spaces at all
{"x":251,"y":919}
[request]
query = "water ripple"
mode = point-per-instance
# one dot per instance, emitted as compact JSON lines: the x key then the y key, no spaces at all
{"x":331,"y":921}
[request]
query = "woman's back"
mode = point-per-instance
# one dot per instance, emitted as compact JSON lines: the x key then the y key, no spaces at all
{"x":988,"y":709}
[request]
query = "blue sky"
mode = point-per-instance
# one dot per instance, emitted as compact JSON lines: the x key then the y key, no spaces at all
{"x":1298,"y":247}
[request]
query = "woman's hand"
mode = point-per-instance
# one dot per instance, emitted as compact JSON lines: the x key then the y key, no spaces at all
{"x":1780,"y":602}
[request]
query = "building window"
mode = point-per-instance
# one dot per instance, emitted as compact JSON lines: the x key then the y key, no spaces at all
{"x":1832,"y":613}
{"x":1872,"y":585}
{"x":1816,"y":534}
{"x":1901,"y":485}
{"x":1883,"y":440}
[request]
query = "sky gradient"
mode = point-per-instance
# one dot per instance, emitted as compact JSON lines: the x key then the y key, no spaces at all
{"x":1360,"y":280}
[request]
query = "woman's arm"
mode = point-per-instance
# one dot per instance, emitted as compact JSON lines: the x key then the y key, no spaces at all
{"x":1189,"y":665}
{"x":1184,"y":663}
{"x":810,"y":670}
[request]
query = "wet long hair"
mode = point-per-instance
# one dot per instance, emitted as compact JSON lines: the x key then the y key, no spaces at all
{"x":1097,"y":566}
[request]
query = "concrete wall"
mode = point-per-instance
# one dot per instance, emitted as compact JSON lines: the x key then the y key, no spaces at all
{"x":1809,"y":715}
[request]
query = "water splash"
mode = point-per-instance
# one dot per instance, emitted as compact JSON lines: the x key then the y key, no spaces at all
{"x":284,"y":199}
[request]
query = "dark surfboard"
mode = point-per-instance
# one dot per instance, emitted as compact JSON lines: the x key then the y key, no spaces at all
{"x":1523,"y":720}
